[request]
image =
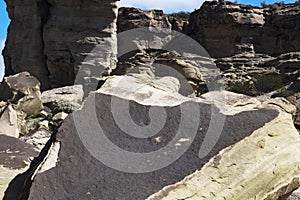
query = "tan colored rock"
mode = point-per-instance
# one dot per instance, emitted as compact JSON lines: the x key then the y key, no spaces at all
{"x":130,"y":18}
{"x":265,"y":165}
{"x":37,"y":138}
{"x":17,"y":86}
{"x":223,"y":28}
{"x":231,"y":103}
{"x":159,"y":64}
{"x":9,"y":122}
{"x":60,"y":116}
{"x":282,"y":104}
{"x":294,"y":196}
{"x":165,"y":89}
{"x":15,"y":159}
{"x":258,"y":148}
{"x":22,"y":90}
{"x":62,"y":95}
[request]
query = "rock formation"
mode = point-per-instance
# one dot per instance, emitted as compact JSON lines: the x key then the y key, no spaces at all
{"x":51,"y":39}
{"x":159,"y":125}
{"x":130,"y":18}
{"x":224,"y":29}
{"x":253,"y":133}
{"x":15,"y":159}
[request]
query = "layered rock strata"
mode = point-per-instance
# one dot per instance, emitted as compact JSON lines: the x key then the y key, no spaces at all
{"x":51,"y":39}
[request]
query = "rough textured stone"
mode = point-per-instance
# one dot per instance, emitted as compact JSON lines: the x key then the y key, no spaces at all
{"x":9,"y":122}
{"x":260,"y":74}
{"x":130,"y":18}
{"x":223,"y":28}
{"x":247,"y":170}
{"x":15,"y":159}
{"x":267,"y":133}
{"x":37,"y":138}
{"x":22,"y":90}
{"x":294,"y":196}
{"x":158,"y":63}
{"x":25,"y":44}
{"x":15,"y":87}
{"x":69,"y":94}
{"x":57,"y":36}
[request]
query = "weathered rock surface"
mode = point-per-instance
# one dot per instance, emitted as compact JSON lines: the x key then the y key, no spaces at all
{"x":13,"y":88}
{"x":22,"y":97}
{"x":269,"y":175}
{"x":225,"y":29}
{"x":9,"y":122}
{"x":259,"y":74}
{"x":130,"y":18}
{"x":57,"y":36}
{"x":25,"y":44}
{"x":62,"y":96}
{"x":158,"y":63}
{"x":294,"y":196}
{"x":38,"y":138}
{"x":15,"y":159}
{"x":262,"y":142}
{"x":22,"y":112}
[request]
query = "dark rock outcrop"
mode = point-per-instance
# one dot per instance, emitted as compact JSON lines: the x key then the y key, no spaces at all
{"x":51,"y":39}
{"x":223,"y":29}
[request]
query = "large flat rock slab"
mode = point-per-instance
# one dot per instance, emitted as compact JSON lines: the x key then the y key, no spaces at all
{"x":266,"y":165}
{"x":111,"y":162}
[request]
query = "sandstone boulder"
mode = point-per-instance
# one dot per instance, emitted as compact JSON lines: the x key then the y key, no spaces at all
{"x":294,"y":196}
{"x":247,"y":169}
{"x":9,"y":122}
{"x":22,"y":90}
{"x":259,"y":146}
{"x":65,"y":95}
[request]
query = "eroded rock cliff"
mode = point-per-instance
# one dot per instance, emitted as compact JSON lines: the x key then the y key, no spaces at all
{"x":51,"y":39}
{"x":224,"y":29}
{"x":130,"y":18}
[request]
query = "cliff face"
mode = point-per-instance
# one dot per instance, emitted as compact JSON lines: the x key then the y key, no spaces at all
{"x":129,"y":18}
{"x":50,"y":39}
{"x":24,"y":46}
{"x":223,"y":30}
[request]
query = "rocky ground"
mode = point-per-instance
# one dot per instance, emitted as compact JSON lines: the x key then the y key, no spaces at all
{"x":226,"y":117}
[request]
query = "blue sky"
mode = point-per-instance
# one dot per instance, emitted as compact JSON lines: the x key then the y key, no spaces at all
{"x":168,"y":6}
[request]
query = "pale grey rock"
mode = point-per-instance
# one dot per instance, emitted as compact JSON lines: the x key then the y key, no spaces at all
{"x":9,"y":123}
{"x":15,"y":159}
{"x":68,"y":94}
{"x":37,"y":138}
